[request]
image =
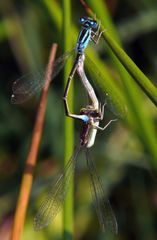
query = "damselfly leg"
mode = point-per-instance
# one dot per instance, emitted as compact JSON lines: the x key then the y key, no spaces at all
{"x":96,"y":35}
{"x":103,"y":128}
{"x":74,"y":68}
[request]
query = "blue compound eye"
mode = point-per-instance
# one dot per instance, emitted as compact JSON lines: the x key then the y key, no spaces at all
{"x":93,"y":24}
{"x":82,"y":20}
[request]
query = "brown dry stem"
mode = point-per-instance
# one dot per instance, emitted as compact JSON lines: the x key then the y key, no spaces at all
{"x":27,"y":178}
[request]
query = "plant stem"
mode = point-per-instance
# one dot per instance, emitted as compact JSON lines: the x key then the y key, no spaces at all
{"x":135,"y":72}
{"x":27,"y":178}
{"x":69,"y":138}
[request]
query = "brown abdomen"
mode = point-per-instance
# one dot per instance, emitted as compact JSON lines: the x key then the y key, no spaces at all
{"x":84,"y":134}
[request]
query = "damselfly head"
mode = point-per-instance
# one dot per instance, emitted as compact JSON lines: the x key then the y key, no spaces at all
{"x":87,"y":109}
{"x":90,"y":111}
{"x":88,"y":22}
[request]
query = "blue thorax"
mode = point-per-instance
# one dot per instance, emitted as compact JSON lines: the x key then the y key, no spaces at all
{"x":88,"y":24}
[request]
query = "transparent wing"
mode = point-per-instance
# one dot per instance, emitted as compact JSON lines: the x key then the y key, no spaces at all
{"x":54,"y":200}
{"x":27,"y":86}
{"x":104,"y":210}
{"x":115,"y":104}
{"x":31,"y":83}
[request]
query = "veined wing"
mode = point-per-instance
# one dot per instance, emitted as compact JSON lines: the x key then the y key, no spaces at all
{"x":114,"y":100}
{"x":31,"y":83}
{"x":54,"y":200}
{"x":104,"y":210}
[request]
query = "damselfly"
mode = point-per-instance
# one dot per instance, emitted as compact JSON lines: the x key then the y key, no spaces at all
{"x":91,"y":115}
{"x":31,"y":83}
{"x":55,"y":198}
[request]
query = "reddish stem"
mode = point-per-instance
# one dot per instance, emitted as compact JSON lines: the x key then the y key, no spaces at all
{"x":27,"y":178}
{"x":87,"y":8}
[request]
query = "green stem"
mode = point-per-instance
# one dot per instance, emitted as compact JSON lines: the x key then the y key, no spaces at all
{"x":69,"y":138}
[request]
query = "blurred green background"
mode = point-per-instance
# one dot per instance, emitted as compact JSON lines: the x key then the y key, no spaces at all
{"x":125,"y":154}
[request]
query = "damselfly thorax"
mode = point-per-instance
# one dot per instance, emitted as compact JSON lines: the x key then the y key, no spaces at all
{"x":89,"y":127}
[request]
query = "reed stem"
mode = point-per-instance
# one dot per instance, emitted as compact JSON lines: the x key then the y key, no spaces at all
{"x":69,"y":136}
{"x":27,"y":178}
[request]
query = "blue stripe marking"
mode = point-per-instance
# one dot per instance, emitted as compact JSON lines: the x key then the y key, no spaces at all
{"x":83,"y":40}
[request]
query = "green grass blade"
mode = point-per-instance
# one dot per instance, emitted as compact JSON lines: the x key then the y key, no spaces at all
{"x":69,"y":135}
{"x":140,"y":78}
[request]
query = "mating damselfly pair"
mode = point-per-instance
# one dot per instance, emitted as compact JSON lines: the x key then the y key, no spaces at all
{"x":27,"y":86}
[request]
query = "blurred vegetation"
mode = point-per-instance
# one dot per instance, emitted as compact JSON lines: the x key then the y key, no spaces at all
{"x":125,"y":154}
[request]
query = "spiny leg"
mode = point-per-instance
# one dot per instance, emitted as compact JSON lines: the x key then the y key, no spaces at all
{"x":67,"y":112}
{"x":96,"y":33}
{"x":98,"y":36}
{"x":103,"y":128}
{"x":66,"y":106}
{"x":102,"y":110}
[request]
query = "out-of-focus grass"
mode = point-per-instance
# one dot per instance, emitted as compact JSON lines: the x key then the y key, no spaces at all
{"x":3,"y":33}
{"x":18,"y":40}
{"x":142,"y":23}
